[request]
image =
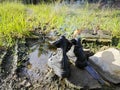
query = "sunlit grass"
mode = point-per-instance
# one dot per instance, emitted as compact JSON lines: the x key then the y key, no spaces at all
{"x":71,"y":18}
{"x":16,"y":20}
{"x":12,"y":23}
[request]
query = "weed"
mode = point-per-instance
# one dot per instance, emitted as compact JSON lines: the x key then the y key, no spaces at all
{"x":17,"y":20}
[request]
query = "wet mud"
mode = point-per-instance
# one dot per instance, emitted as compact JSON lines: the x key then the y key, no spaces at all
{"x":24,"y":67}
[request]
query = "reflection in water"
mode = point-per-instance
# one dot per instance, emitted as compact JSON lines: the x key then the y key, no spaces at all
{"x":43,"y":48}
{"x":29,"y":65}
{"x":38,"y":57}
{"x":33,"y":61}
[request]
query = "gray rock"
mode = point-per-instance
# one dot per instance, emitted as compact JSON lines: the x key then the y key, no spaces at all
{"x":107,"y":63}
{"x":71,"y":54}
{"x":56,"y":63}
{"x":82,"y":79}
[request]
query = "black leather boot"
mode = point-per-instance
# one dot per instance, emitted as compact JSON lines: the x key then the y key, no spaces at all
{"x":61,"y":64}
{"x":81,"y":61}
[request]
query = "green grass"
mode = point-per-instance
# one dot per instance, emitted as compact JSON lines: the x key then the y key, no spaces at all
{"x":12,"y":23}
{"x":17,"y":20}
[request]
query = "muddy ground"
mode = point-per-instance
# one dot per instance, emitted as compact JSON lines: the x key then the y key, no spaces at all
{"x":24,"y":67}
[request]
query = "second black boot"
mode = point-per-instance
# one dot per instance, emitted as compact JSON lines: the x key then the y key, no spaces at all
{"x":81,"y":60}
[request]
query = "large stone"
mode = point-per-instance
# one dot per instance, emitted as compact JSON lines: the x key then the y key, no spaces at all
{"x":80,"y":78}
{"x":107,"y":63}
{"x":56,"y":62}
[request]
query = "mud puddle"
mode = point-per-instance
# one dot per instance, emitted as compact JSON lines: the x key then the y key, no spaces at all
{"x":38,"y":63}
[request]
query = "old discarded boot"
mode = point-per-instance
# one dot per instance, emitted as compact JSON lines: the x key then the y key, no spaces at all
{"x":59,"y":62}
{"x":81,"y":61}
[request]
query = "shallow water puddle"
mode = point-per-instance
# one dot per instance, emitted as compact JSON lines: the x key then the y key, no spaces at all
{"x":38,"y":60}
{"x":38,"y":63}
